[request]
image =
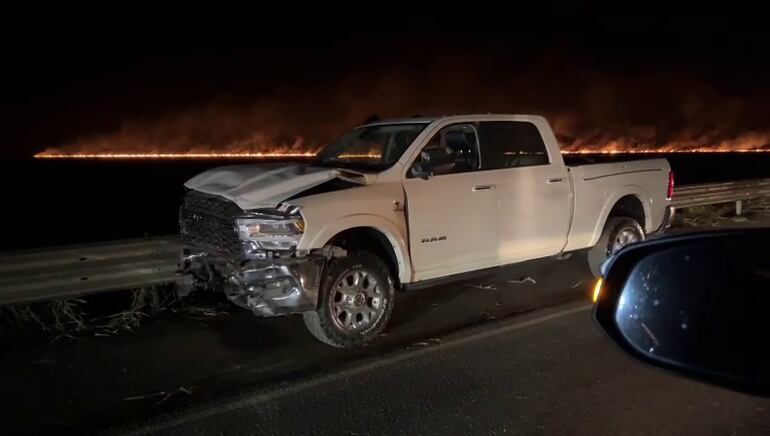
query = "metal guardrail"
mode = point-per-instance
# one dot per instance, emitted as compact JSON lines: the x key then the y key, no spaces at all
{"x":77,"y":270}
{"x":726,"y":192}
{"x":71,"y":271}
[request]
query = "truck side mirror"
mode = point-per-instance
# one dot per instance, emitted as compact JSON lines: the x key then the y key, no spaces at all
{"x":430,"y":160}
{"x":693,"y":304}
{"x":418,"y":171}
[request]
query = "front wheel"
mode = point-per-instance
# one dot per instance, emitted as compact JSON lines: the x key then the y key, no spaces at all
{"x":355,"y":301}
{"x":618,"y":232}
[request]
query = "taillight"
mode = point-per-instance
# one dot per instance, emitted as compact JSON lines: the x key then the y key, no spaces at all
{"x":670,"y":191}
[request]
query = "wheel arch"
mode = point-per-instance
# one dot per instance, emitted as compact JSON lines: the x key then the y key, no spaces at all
{"x":633,"y":202}
{"x":372,"y":234}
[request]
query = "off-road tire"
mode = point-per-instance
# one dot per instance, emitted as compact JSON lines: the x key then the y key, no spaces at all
{"x":321,"y":324}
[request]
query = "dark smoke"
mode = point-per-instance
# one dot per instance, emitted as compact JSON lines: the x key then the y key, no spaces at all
{"x":587,"y":108}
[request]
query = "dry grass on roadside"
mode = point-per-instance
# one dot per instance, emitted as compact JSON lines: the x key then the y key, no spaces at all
{"x":68,"y":317}
{"x":758,"y":206}
{"x":144,"y":303}
{"x":703,"y":216}
{"x":16,"y":316}
{"x":716,"y":214}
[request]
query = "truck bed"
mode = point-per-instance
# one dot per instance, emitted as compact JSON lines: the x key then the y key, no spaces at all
{"x":599,"y":186}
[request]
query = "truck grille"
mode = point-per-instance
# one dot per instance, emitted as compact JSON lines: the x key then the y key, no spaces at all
{"x":207,"y":222}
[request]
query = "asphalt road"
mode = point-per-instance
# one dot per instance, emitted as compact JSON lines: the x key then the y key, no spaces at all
{"x":439,"y":367}
{"x":180,"y":360}
{"x":550,"y":372}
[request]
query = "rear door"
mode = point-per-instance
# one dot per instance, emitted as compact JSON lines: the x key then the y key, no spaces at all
{"x":533,"y":195}
{"x":453,"y":214}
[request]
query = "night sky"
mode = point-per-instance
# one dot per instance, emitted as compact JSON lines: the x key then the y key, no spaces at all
{"x":178,"y":83}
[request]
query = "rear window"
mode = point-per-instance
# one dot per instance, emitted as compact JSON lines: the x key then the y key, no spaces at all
{"x":511,"y":144}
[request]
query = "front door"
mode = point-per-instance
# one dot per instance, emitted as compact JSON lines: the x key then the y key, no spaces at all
{"x":451,"y":206}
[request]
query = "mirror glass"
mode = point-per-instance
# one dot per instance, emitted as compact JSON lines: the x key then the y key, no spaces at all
{"x":702,"y":306}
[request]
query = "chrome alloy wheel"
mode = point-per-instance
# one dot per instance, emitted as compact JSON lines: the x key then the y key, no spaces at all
{"x":625,"y":236}
{"x":356,"y":300}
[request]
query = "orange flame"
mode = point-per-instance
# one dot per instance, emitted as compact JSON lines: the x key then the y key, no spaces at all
{"x":749,"y":142}
{"x":258,"y":155}
{"x":294,"y":155}
{"x":664,"y":151}
{"x":261,"y":147}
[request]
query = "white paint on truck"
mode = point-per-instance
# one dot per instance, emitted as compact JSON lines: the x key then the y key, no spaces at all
{"x":447,"y":196}
{"x":527,"y":212}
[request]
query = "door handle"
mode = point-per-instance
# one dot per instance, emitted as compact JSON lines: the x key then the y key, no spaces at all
{"x":555,"y":180}
{"x":483,"y":188}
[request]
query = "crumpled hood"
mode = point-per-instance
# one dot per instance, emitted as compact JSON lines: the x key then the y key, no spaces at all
{"x":265,"y":185}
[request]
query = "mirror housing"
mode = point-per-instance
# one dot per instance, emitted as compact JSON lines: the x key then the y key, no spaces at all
{"x":457,"y":154}
{"x":429,"y":160}
{"x":694,"y":304}
{"x":418,"y":171}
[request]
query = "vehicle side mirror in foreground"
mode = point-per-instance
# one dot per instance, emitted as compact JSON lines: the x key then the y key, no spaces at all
{"x":696,"y":304}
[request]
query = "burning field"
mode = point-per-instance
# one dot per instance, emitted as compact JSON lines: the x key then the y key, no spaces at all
{"x":290,"y":155}
{"x":743,"y":145}
{"x":590,"y":112}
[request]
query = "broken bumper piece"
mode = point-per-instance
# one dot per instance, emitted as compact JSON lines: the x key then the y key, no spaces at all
{"x":267,"y":287}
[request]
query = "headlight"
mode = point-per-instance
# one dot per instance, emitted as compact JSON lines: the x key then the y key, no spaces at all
{"x":271,"y":234}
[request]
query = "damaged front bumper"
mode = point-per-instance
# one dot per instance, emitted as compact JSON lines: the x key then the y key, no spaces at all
{"x":267,"y":287}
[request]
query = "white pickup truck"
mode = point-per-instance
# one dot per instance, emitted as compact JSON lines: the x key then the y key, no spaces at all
{"x":401,"y":204}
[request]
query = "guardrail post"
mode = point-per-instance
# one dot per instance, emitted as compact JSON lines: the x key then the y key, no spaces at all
{"x":738,"y":207}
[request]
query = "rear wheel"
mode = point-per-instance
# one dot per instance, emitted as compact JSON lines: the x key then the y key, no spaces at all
{"x":618,"y":232}
{"x":355,"y":301}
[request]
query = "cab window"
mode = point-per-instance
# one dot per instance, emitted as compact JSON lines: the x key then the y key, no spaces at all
{"x":511,"y":144}
{"x":453,"y":149}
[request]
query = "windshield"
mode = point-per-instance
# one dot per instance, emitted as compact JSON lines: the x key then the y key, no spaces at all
{"x":375,"y":147}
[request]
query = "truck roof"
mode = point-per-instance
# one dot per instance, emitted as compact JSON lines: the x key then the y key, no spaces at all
{"x":410,"y":120}
{"x":430,"y":119}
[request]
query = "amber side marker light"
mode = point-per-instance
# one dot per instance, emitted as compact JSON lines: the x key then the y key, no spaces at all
{"x":597,"y":290}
